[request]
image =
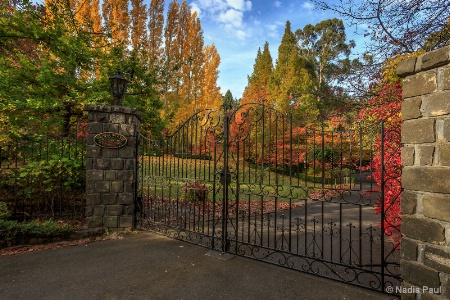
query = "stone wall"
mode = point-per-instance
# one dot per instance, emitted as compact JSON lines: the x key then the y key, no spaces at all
{"x":111,"y":172}
{"x":425,"y":246}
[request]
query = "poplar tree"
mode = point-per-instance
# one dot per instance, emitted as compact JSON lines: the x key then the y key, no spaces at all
{"x":117,"y":20}
{"x":139,"y":26}
{"x":171,"y":59}
{"x":211,"y":96}
{"x":155,"y":32}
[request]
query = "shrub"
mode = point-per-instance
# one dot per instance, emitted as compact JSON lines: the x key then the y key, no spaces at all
{"x":4,"y":211}
{"x":195,"y":191}
{"x":12,"y":232}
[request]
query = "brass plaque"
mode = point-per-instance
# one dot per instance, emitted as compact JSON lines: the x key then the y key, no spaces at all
{"x":110,"y":140}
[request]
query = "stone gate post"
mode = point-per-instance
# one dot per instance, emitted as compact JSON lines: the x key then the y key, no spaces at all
{"x":425,"y":246}
{"x":111,"y":162}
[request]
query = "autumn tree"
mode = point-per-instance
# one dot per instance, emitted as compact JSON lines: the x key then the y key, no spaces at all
{"x":155,"y":33}
{"x":210,"y":96}
{"x":171,"y":61}
{"x":139,"y":27}
{"x":257,"y":89}
{"x":117,"y":20}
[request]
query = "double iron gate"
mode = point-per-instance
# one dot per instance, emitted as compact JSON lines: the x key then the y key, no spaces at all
{"x":253,"y":182}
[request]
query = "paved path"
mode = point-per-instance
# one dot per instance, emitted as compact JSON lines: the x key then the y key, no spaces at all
{"x":150,"y":266}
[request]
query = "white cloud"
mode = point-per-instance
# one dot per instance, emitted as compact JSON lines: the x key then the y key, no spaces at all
{"x":241,"y":5}
{"x":277,"y":4}
{"x":308,"y":5}
{"x":231,"y":17}
{"x":230,"y":13}
{"x":195,"y":8}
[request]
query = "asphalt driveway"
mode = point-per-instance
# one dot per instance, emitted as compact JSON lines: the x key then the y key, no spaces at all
{"x":150,"y":266}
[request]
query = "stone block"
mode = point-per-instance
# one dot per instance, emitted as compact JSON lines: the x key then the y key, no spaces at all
{"x":91,"y":117}
{"x":102,"y":186}
{"x":125,"y":175}
{"x":129,"y":164}
{"x":411,"y":108}
{"x":102,"y":163}
{"x":111,"y":221}
{"x":117,"y":187}
{"x":427,"y":296}
{"x":423,"y":229}
{"x":90,"y":187}
{"x":419,"y":84}
{"x":94,"y":175}
{"x":445,"y":85}
{"x":95,"y":128}
{"x":419,"y":275}
{"x":406,"y":67}
{"x":127,"y":152}
{"x":436,"y":206}
{"x":447,"y":129}
{"x":407,"y":295}
{"x":126,"y":199}
{"x":126,"y":221}
{"x":108,"y":127}
{"x":408,"y":202}
{"x":128,"y":187}
{"x":117,"y":164}
{"x":437,"y":104}
{"x":444,"y":155}
{"x":418,"y":131}
{"x":435,"y":58}
{"x":93,"y":151}
{"x":89,"y":211}
{"x":110,"y":175}
{"x":128,"y":210}
{"x":89,"y":164}
{"x":437,"y":258}
{"x":117,"y":118}
{"x":446,"y":290}
{"x":102,"y":117}
{"x":407,"y":156}
{"x":426,"y":179}
{"x":110,"y":198}
{"x":408,"y":249}
{"x":94,"y":222}
{"x":131,"y":141}
{"x":127,"y":129}
{"x":426,"y":154}
{"x":99,"y":210}
{"x":114,"y":210}
{"x":93,"y":199}
{"x":110,"y":153}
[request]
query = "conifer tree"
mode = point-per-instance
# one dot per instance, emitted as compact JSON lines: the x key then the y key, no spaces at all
{"x":257,"y":89}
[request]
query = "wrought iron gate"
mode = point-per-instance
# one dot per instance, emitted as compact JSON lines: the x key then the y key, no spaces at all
{"x":255,"y":183}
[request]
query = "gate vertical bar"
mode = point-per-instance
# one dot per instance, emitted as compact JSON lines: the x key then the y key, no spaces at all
{"x":225,"y":182}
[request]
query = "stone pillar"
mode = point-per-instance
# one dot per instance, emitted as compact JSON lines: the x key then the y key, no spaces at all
{"x":111,"y":166}
{"x":425,"y":246}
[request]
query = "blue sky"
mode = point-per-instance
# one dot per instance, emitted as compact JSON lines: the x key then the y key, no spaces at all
{"x":239,"y":27}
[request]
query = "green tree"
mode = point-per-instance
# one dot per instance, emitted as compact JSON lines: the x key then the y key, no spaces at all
{"x":258,"y":87}
{"x":325,"y":45}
